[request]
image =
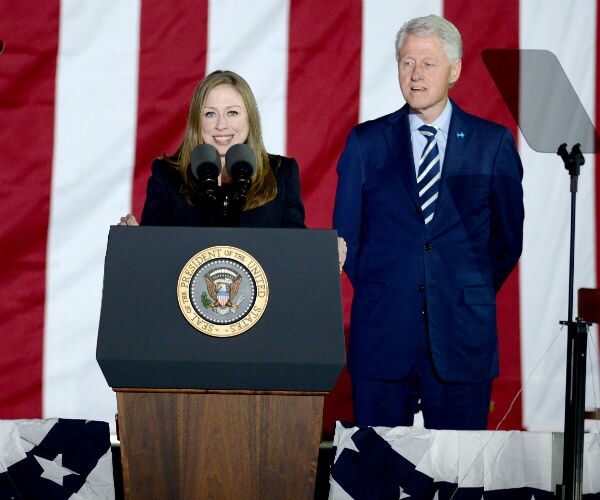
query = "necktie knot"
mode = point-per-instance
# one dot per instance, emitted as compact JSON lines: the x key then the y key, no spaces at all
{"x":428,"y":131}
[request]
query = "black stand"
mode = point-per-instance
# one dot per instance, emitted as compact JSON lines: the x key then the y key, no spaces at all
{"x":570,"y":489}
{"x":518,"y":74}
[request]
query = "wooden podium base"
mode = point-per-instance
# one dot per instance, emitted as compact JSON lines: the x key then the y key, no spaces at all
{"x":188,"y":445}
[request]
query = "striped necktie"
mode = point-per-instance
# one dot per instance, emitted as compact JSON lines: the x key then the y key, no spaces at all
{"x":428,"y":177}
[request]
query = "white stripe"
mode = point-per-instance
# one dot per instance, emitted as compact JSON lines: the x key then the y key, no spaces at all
{"x":429,"y":201}
{"x":251,"y":38}
{"x":568,"y":30}
{"x":423,"y":174}
{"x":91,"y":187}
{"x":427,"y":151}
{"x":379,"y":90}
{"x":429,"y":184}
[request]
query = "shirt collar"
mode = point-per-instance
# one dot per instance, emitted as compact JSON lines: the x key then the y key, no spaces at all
{"x":442,"y":122}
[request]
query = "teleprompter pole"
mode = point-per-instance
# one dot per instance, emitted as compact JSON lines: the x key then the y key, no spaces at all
{"x":570,"y":488}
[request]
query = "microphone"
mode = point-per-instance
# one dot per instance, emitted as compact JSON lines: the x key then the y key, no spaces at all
{"x":205,"y":165}
{"x":240,"y":163}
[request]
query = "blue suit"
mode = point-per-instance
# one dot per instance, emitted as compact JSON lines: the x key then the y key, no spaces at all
{"x":453,"y":266}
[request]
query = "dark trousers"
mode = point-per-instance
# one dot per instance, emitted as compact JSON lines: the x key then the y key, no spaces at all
{"x":390,"y":403}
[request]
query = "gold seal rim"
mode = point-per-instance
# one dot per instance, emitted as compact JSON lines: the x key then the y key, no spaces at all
{"x":204,"y":257}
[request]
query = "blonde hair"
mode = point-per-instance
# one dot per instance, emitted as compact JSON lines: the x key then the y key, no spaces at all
{"x":264,"y":183}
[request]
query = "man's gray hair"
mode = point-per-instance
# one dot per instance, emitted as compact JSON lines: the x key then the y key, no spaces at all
{"x":436,"y":26}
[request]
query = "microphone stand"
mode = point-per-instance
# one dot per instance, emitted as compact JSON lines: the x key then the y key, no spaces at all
{"x":570,"y":488}
{"x":221,"y":206}
{"x":228,"y":214}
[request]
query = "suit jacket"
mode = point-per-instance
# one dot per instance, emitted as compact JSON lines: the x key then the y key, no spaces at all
{"x":166,"y":206}
{"x":454,"y":265}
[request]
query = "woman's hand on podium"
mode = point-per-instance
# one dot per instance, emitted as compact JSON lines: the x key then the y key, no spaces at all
{"x":128,"y":220}
{"x":342,"y":252}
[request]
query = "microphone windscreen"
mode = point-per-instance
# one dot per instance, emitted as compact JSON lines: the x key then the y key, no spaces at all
{"x":240,"y":155}
{"x":205,"y":157}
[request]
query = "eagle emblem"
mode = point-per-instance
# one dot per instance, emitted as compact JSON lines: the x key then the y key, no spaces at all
{"x":222,"y":291}
{"x":222,"y":286}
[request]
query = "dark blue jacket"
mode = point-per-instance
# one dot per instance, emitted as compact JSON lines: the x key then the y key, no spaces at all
{"x":455,"y":264}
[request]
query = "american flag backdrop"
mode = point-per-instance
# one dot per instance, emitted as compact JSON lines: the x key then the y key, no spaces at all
{"x":91,"y":91}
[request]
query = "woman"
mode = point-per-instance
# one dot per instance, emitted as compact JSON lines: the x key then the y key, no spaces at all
{"x":223,"y":112}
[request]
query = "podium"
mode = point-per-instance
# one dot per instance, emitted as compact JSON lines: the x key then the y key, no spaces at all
{"x":220,"y":344}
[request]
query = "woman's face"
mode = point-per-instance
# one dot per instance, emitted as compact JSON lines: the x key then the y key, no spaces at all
{"x":224,"y":119}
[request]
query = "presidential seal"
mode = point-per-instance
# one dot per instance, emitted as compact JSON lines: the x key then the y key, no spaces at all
{"x":222,"y":291}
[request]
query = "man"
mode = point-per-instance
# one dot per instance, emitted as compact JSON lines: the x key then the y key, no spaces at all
{"x":433,"y":221}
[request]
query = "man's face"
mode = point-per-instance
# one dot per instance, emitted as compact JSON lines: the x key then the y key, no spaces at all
{"x":425,"y":74}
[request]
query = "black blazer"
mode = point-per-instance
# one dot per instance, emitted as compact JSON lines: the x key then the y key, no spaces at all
{"x":166,"y":206}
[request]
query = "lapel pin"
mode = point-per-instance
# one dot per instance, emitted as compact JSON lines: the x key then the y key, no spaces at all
{"x":460,"y":135}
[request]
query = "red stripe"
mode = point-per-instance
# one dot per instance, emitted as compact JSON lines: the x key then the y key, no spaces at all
{"x":171,"y":64}
{"x":323,"y":95}
{"x":495,"y":26}
{"x":27,"y":89}
{"x":322,"y":106}
{"x":597,"y":156}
